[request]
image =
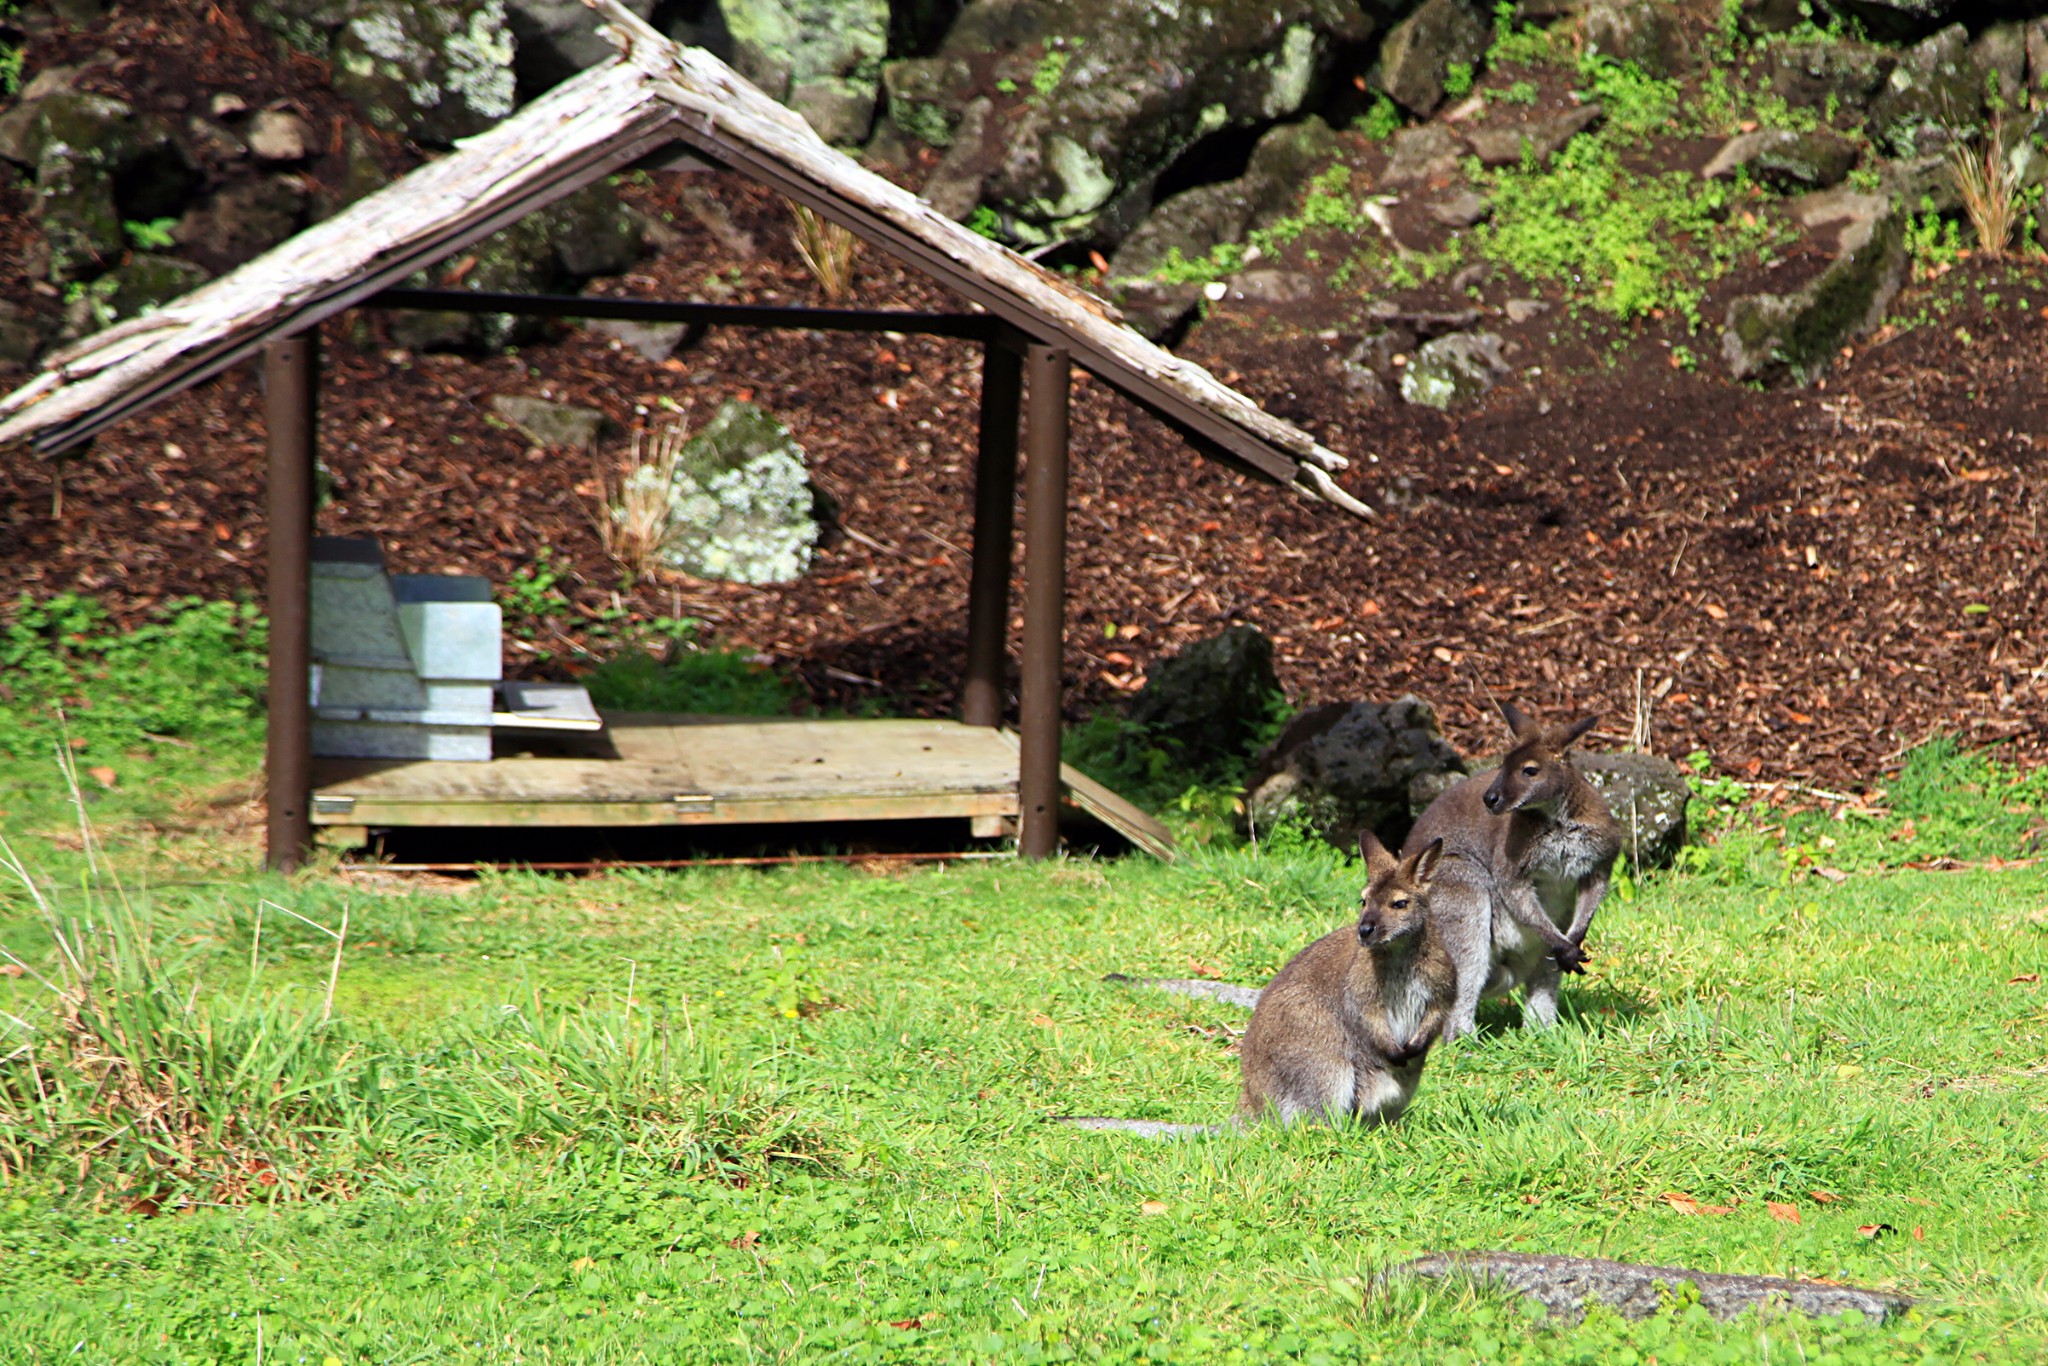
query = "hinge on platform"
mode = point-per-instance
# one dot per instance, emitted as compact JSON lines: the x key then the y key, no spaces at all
{"x":695,"y":801}
{"x":333,"y":806}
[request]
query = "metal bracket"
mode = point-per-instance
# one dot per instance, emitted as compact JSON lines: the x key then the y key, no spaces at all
{"x":333,"y":806}
{"x":694,"y":802}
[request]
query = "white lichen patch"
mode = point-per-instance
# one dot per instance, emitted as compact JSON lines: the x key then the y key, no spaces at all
{"x":479,"y":59}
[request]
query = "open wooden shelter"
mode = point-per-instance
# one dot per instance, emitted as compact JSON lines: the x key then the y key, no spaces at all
{"x":658,"y":104}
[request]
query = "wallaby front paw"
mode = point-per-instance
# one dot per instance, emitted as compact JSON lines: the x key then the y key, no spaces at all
{"x":1572,"y":959}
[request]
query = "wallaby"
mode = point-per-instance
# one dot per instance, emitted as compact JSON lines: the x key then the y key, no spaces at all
{"x":1345,"y":1026}
{"x":1527,"y":854}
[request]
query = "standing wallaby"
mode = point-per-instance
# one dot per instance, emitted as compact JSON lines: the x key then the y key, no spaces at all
{"x":1344,"y":1027}
{"x":1528,"y":850}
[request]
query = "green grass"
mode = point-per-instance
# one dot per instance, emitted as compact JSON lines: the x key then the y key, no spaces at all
{"x":746,"y":1116}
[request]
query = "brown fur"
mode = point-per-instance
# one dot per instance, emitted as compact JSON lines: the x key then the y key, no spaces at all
{"x":1345,"y":1026}
{"x":1529,"y":848}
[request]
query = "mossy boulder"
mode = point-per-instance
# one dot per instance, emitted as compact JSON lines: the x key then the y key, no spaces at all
{"x":1103,"y":95}
{"x":1937,"y":89}
{"x":821,"y":57}
{"x":243,"y":220}
{"x":1189,"y":226}
{"x":1205,"y":705}
{"x":1645,"y":32}
{"x":1784,"y":158}
{"x":741,"y":506}
{"x":94,"y":163}
{"x":1347,"y":767}
{"x":1418,"y":53}
{"x":1810,"y":75}
{"x":1455,"y":370}
{"x":1794,"y":336}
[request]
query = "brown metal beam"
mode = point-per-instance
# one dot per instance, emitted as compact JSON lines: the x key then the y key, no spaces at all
{"x":291,"y":368}
{"x":995,"y":516}
{"x":1049,"y":370}
{"x":972,"y":326}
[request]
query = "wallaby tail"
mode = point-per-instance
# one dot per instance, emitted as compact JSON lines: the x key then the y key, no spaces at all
{"x":1230,"y":993}
{"x":1143,"y":1128}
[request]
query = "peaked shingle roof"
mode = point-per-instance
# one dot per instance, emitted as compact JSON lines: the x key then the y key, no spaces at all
{"x":653,"y":94}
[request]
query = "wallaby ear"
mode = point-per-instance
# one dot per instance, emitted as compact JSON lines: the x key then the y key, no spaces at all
{"x":1518,"y":724}
{"x":1576,"y":729}
{"x":1422,"y":863}
{"x":1377,"y":859}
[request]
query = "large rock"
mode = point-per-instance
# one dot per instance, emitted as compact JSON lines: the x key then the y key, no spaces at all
{"x":1419,"y":51}
{"x":822,"y":57}
{"x":1648,"y":796}
{"x":1191,"y":225}
{"x":1934,"y":90}
{"x":555,"y":39}
{"x":432,"y":72}
{"x":1810,"y":74}
{"x":1641,"y":31}
{"x":1206,"y":704}
{"x":544,"y":422}
{"x":242,"y":220}
{"x":1795,"y":336}
{"x":1345,"y":767}
{"x":1454,"y":370}
{"x":23,"y":333}
{"x":1783,"y":158}
{"x":551,"y":251}
{"x":95,"y":163}
{"x":1112,"y":91}
{"x":1536,"y":140}
{"x":741,"y":506}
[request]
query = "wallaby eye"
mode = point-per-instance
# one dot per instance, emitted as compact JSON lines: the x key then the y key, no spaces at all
{"x":1399,"y":903}
{"x":1530,"y":770}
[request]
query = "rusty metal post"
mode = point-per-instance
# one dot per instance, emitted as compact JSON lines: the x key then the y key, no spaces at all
{"x":1045,"y":574}
{"x":291,"y":369}
{"x":995,"y":515}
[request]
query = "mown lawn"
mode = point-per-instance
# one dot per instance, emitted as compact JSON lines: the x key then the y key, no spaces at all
{"x":803,"y":1114}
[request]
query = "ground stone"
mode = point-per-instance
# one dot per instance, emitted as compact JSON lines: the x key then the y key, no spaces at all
{"x":1648,"y":797}
{"x":1206,"y":703}
{"x":1418,"y":52}
{"x":1772,"y":336}
{"x":242,"y":220}
{"x":1454,"y":370}
{"x":1462,"y":209}
{"x":1346,"y":767}
{"x":1538,"y":138}
{"x":544,"y":422}
{"x":1639,"y":31}
{"x":1563,"y":1285}
{"x":1816,"y":159}
{"x":654,"y":341}
{"x":433,"y":72}
{"x":278,"y":135}
{"x":1935,"y":88}
{"x":742,"y":508}
{"x":1806,"y":74}
{"x":1423,"y":155}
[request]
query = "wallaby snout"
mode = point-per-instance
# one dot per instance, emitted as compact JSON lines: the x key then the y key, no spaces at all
{"x":1368,"y":925}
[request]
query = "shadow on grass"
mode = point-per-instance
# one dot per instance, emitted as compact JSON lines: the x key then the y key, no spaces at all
{"x":1590,"y":1008}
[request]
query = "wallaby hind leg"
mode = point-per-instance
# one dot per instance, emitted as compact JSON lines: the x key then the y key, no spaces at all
{"x":1462,"y":911}
{"x":1539,"y":997}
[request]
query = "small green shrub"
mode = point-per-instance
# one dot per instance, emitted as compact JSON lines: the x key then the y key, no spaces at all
{"x":1457,"y":79}
{"x":155,"y":235}
{"x":701,"y":682}
{"x":1381,"y":121}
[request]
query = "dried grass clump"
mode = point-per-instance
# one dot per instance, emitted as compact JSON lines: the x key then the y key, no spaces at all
{"x":635,"y":503}
{"x":829,"y":250}
{"x":1988,"y":180}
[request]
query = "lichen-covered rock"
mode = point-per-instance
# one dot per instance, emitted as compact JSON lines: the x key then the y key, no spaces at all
{"x":2000,"y":52}
{"x":1205,"y":704}
{"x":1935,"y":88}
{"x":1639,"y":31}
{"x":1648,"y":797}
{"x":551,"y":251}
{"x":82,"y":147}
{"x":1345,"y":767}
{"x":1809,"y":75}
{"x":146,"y":280}
{"x":1774,"y":336}
{"x":1191,"y":225}
{"x":742,"y":507}
{"x":1783,"y":158}
{"x":822,"y":57}
{"x":1112,"y":91}
{"x":242,"y":220}
{"x":1454,"y":370}
{"x":433,"y":72}
{"x":1418,"y":52}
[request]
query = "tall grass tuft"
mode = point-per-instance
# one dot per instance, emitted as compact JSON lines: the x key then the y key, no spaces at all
{"x":141,"y":1084}
{"x":635,"y":503}
{"x":829,"y":250}
{"x":1989,"y":184}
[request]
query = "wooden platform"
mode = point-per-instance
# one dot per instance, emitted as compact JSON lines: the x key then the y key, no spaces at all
{"x":666,"y":770}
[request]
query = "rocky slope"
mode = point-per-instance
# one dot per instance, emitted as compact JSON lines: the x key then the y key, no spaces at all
{"x":1676,"y":381}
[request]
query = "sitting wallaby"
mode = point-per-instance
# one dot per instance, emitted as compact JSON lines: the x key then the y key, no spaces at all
{"x":1528,"y":850}
{"x":1345,"y":1026}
